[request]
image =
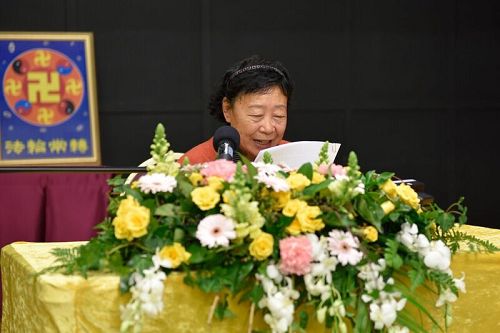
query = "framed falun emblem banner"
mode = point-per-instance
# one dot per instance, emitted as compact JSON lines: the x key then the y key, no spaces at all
{"x":48,"y":103}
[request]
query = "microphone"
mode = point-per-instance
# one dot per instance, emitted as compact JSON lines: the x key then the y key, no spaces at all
{"x":226,"y":142}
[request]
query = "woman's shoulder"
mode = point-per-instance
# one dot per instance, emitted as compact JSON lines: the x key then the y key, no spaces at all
{"x":204,"y":152}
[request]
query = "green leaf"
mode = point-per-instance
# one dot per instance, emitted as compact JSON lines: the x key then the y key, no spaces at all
{"x":314,"y":188}
{"x":251,"y":170}
{"x":255,"y":294}
{"x":362,"y":320}
{"x":303,"y":319}
{"x":307,"y":170}
{"x":222,"y":310}
{"x":198,"y":253}
{"x":370,"y":210}
{"x":417,"y":277}
{"x":392,"y":258}
{"x":446,"y":221}
{"x":166,"y":210}
{"x":116,"y":181}
{"x":140,"y":262}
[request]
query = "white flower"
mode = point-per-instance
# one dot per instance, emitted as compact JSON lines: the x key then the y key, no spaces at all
{"x":344,"y":245}
{"x":438,"y":256}
{"x":215,"y":230}
{"x":267,"y":168}
{"x":359,"y":189}
{"x":157,"y":182}
{"x":408,"y":236}
{"x":422,"y":244}
{"x":448,"y":296}
{"x":383,"y":314}
{"x":398,"y":329}
{"x":148,"y":290}
{"x":274,"y":273}
{"x":278,"y":184}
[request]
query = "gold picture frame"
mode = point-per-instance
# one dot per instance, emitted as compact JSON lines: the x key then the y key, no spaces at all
{"x":48,"y":105}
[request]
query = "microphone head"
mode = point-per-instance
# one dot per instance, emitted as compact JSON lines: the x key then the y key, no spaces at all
{"x":225,"y":134}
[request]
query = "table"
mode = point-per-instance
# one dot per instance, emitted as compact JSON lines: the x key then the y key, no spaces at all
{"x":59,"y":303}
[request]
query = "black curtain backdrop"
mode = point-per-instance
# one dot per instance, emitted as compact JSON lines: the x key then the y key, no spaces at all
{"x":412,"y":86}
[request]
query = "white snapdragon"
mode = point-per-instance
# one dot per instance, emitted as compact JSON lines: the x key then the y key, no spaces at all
{"x":147,"y":298}
{"x":384,"y":308}
{"x":278,"y":299}
{"x":408,"y":236}
{"x":438,"y":256}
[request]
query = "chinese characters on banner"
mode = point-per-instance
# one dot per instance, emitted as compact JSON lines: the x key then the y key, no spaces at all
{"x":48,"y":104}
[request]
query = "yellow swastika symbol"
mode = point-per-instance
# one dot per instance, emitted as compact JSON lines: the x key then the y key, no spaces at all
{"x":57,"y":146}
{"x":42,"y":58}
{"x":16,"y":147}
{"x":73,"y":87}
{"x":36,"y":147}
{"x":12,"y":87}
{"x":45,"y":116}
{"x":43,"y":90}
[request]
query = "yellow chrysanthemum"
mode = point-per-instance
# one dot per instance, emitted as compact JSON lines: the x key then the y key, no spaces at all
{"x":294,"y":228}
{"x":280,"y":199}
{"x":215,"y":183}
{"x":205,"y":197}
{"x":262,"y":246}
{"x":293,"y":206}
{"x":298,"y":181}
{"x":131,"y":219}
{"x":307,"y":217}
{"x":408,"y":196}
{"x":176,"y":254}
{"x":390,"y":189}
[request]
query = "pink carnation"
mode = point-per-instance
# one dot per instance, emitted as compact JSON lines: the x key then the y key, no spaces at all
{"x":219,"y":168}
{"x":296,"y":255}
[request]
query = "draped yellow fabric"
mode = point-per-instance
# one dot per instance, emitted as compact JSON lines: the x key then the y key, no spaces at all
{"x":59,"y":303}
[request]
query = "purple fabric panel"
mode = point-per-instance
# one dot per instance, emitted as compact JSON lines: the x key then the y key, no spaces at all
{"x":22,"y":207}
{"x":75,"y":204}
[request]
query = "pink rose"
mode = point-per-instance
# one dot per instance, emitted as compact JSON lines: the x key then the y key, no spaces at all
{"x":296,"y":255}
{"x":219,"y":168}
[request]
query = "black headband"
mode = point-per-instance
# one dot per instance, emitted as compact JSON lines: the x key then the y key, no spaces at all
{"x":250,"y":68}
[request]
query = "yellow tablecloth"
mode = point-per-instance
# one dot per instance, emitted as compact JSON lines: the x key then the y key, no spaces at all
{"x":59,"y":303}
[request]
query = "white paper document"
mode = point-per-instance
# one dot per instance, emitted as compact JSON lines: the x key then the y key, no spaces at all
{"x":294,"y":154}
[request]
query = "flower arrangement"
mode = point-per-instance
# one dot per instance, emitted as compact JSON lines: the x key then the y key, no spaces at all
{"x":350,"y":248}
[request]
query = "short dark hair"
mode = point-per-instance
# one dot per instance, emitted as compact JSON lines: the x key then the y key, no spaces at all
{"x":250,"y":75}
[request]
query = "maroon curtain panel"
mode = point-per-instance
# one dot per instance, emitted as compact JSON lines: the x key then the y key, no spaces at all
{"x":51,"y":207}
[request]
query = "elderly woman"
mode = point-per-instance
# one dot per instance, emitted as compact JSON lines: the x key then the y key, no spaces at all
{"x":253,"y":98}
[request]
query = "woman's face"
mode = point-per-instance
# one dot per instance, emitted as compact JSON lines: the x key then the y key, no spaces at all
{"x":260,"y":118}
